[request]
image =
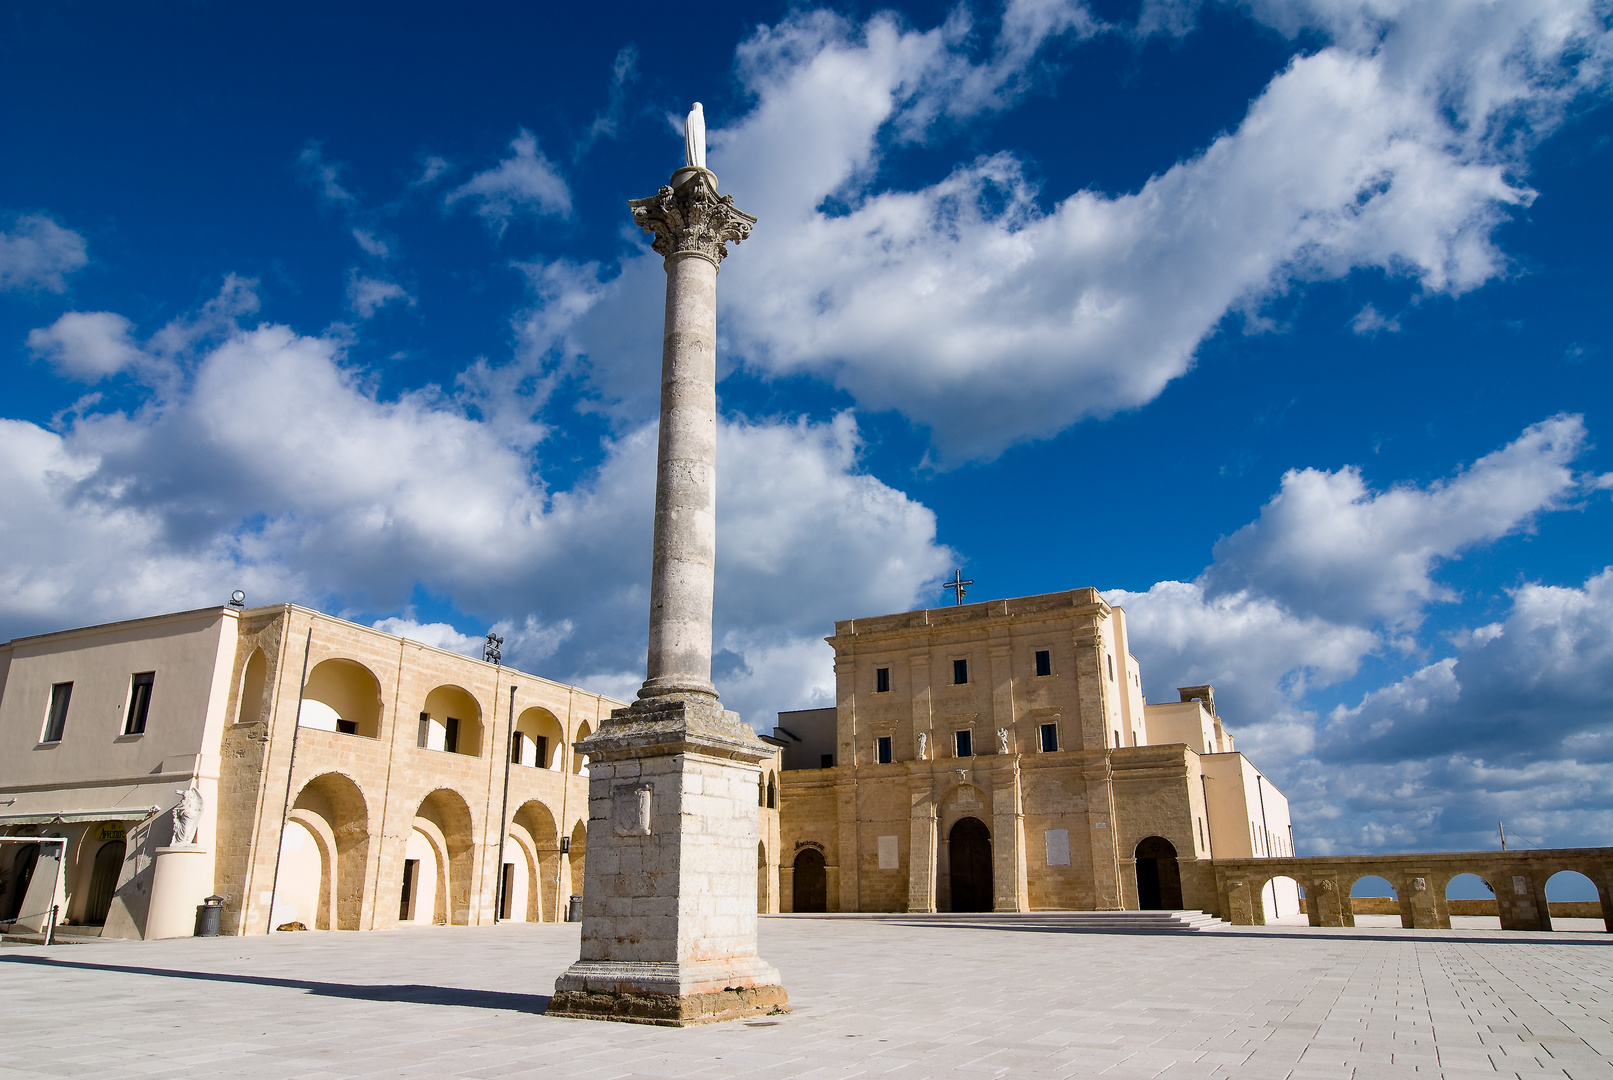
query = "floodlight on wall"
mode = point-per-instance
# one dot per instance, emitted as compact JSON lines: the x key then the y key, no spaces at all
{"x":490,"y":648}
{"x":237,"y":599}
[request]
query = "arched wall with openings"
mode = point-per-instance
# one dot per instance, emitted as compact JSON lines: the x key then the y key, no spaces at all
{"x":540,"y":741}
{"x":451,"y":720}
{"x":342,"y":695}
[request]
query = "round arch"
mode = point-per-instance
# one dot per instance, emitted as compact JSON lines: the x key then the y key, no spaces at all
{"x":579,"y":850}
{"x":451,"y":720}
{"x":342,"y":695}
{"x":446,"y":811}
{"x":250,"y":703}
{"x":809,"y":882}
{"x":343,"y":826}
{"x":1159,"y":876}
{"x":579,"y":762}
{"x":537,"y":822}
{"x":539,"y":740}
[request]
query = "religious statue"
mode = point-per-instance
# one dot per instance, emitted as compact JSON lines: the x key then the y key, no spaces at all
{"x":1002,"y":740}
{"x":924,"y":744}
{"x":694,"y":137}
{"x":187,"y":816}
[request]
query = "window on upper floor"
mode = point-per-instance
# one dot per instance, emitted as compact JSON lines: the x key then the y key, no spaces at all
{"x":963,"y":742}
{"x":140,"y":684}
{"x":960,"y":672}
{"x":1111,"y":658}
{"x":1050,"y":738}
{"x":1044,"y":662}
{"x":56,"y":715}
{"x":882,"y":749}
{"x":882,"y":680}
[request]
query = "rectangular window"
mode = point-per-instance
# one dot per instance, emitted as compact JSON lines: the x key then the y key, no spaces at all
{"x":450,"y":736}
{"x":882,"y":749}
{"x":882,"y":680}
{"x":1050,"y":738}
{"x":515,"y":748}
{"x":965,"y":744}
{"x":139,"y":702}
{"x":826,"y":761}
{"x":540,"y":751}
{"x":960,"y":672}
{"x":1044,"y":662}
{"x":1110,"y":657}
{"x":56,"y":719}
{"x":425,"y":730}
{"x":347,"y":727}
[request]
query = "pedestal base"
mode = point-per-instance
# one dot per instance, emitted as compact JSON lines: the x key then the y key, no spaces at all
{"x":668,"y":994}
{"x":182,"y":879}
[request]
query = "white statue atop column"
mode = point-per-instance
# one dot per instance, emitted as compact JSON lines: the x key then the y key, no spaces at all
{"x":669,"y":893}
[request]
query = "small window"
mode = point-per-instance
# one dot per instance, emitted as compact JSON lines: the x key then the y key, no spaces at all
{"x":515,"y":748}
{"x":56,"y":719}
{"x":882,"y":680}
{"x":882,"y":749}
{"x":1110,"y":657}
{"x":139,"y":702}
{"x":965,"y":743}
{"x":960,"y":672}
{"x":450,"y":736}
{"x":425,"y":730}
{"x":827,"y":761}
{"x":347,"y":727}
{"x":1044,"y":662}
{"x":1050,"y":738}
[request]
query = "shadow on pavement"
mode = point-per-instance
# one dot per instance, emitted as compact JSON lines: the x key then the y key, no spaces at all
{"x":411,"y":992}
{"x":1535,"y":937}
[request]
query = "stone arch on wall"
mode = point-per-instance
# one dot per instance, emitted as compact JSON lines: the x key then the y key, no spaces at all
{"x":446,"y":810}
{"x":454,"y":720}
{"x":579,"y":762}
{"x":762,"y":899}
{"x":342,"y":695}
{"x":970,"y":876}
{"x":333,"y":808}
{"x":539,"y":723}
{"x":537,"y":822}
{"x":1159,"y":876}
{"x":579,"y":850}
{"x":424,"y":888}
{"x":810,"y":882}
{"x":250,"y":705}
{"x":772,"y":790}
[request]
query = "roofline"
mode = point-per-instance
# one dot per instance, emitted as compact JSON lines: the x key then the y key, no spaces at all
{"x":101,"y":628}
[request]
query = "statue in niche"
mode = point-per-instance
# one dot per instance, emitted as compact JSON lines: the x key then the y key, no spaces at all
{"x":924,"y":744}
{"x":1002,"y":740}
{"x":188,"y":816}
{"x":694,"y":137}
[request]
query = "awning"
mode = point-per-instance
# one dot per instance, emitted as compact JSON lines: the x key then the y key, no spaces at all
{"x":73,"y":817}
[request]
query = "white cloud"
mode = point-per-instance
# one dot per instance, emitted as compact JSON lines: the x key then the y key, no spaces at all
{"x":439,"y":634}
{"x":86,"y":345}
{"x":371,"y":243}
{"x":1369,"y":321}
{"x":39,"y":254}
{"x":1328,"y":545}
{"x":367,"y":295}
{"x":325,"y":176}
{"x":523,"y":183}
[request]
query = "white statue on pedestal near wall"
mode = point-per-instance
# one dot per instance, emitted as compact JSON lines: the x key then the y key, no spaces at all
{"x":187,"y":816}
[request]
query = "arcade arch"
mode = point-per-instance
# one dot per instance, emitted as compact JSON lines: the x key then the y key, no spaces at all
{"x":762,"y":907}
{"x":322,"y":866}
{"x":535,"y":824}
{"x":1159,"y":876}
{"x":539,"y":740}
{"x":579,"y":762}
{"x":443,"y":820}
{"x":451,"y":720}
{"x":254,"y":680}
{"x":579,"y":845}
{"x":341,"y":695}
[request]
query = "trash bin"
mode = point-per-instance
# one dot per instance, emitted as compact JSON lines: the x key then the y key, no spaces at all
{"x":574,"y":911}
{"x":207,"y":913}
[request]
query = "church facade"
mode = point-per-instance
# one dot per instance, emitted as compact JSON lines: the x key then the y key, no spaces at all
{"x":1000,"y":756}
{"x":348,"y":779}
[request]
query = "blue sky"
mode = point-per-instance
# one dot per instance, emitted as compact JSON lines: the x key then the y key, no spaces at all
{"x":1283,"y":322}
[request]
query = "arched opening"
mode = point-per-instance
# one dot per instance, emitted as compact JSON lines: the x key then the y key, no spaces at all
{"x":451,"y":720}
{"x":1573,"y":902}
{"x":969,"y":854}
{"x":301,"y":882}
{"x":539,"y":740}
{"x":344,"y":696}
{"x":22,"y":874}
{"x":332,"y":811}
{"x":761,"y":879}
{"x":535,"y":820}
{"x":811,"y":891}
{"x":772,"y":792}
{"x":1374,"y":900}
{"x":514,"y":881}
{"x":445,"y":813}
{"x":104,"y":882}
{"x":579,"y":848}
{"x":579,"y":762}
{"x":249,"y":709}
{"x":1279,"y":899}
{"x":761,"y":790}
{"x":1159,"y":878}
{"x":1470,"y":902}
{"x":422,"y":900}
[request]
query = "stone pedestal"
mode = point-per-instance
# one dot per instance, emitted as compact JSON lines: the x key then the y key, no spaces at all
{"x":669,"y":893}
{"x":181,"y":879}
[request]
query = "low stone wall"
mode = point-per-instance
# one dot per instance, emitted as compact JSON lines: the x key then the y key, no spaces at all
{"x":1388,"y":905}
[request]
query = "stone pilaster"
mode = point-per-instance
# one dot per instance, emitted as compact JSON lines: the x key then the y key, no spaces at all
{"x":921,"y":838}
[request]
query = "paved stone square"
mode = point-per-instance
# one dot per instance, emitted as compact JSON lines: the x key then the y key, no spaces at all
{"x":872,"y":999}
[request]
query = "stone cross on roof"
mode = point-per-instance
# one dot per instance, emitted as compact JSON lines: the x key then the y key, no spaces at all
{"x":957,"y":584}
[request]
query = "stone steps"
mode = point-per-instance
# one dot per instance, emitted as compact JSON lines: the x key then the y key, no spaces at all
{"x":1093,"y":922}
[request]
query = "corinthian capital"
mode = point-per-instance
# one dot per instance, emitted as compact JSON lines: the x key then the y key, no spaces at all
{"x":688,"y":217}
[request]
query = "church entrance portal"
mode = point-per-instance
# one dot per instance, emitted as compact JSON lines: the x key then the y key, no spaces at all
{"x":104,"y":882}
{"x":969,"y":852}
{"x":811,"y":891}
{"x":1159,"y":880}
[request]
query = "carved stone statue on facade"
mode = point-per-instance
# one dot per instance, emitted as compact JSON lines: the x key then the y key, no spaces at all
{"x":924,"y":744}
{"x":1002,"y":740}
{"x":694,"y":137}
{"x":188,"y":816}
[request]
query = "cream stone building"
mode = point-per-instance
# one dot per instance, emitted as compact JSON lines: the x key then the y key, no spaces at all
{"x":1000,"y":756}
{"x":381,"y":808}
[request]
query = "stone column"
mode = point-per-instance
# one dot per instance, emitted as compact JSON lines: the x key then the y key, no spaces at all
{"x":669,"y":890}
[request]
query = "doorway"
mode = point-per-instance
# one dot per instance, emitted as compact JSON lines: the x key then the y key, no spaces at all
{"x":104,"y":882}
{"x":969,"y":851}
{"x":1159,"y":879}
{"x":811,"y":892}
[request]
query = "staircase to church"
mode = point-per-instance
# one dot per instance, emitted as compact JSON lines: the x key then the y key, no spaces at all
{"x":1068,"y":922}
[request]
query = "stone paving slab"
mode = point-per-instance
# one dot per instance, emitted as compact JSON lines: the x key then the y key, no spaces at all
{"x":872,"y":1000}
